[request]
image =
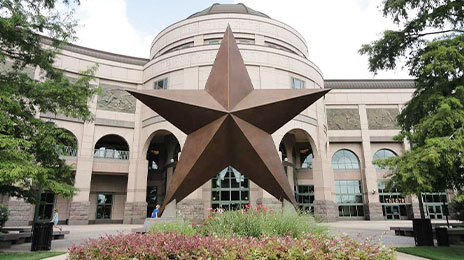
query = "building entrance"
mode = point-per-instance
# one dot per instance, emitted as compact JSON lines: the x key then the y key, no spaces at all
{"x":230,"y":190}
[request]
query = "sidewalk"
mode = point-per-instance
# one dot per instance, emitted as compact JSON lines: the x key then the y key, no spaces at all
{"x":60,"y":257}
{"x":399,"y":256}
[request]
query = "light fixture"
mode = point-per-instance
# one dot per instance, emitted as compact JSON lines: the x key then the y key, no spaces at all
{"x":374,"y":191}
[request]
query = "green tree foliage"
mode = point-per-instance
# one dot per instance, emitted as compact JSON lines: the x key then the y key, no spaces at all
{"x":430,"y":40}
{"x":29,"y":146}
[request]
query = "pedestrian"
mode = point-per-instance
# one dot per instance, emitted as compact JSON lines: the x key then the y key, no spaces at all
{"x":155,"y":212}
{"x":55,"y":220}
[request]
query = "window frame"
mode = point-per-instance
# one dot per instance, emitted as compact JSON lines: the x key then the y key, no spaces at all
{"x":294,"y":80}
{"x":104,"y":206}
{"x":358,"y":165}
{"x":165,"y":84}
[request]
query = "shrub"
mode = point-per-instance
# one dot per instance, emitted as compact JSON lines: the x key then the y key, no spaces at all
{"x":457,"y":205}
{"x":4,"y":213}
{"x":177,"y":246}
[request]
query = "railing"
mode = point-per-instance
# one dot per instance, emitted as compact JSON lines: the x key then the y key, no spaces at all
{"x":111,"y":154}
{"x":67,"y":151}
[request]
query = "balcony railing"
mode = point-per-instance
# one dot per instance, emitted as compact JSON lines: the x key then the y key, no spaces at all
{"x":111,"y":154}
{"x":68,"y":151}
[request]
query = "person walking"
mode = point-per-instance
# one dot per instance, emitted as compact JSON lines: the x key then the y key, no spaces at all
{"x":155,"y":212}
{"x":55,"y":220}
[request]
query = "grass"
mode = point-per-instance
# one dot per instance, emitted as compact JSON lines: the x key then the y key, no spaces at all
{"x":437,"y":253}
{"x":28,"y":255}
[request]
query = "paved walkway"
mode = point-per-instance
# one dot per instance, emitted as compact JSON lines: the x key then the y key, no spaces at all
{"x":378,"y":230}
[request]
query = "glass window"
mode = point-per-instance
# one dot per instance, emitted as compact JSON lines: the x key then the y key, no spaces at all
{"x":104,"y":205}
{"x":304,"y":195}
{"x":152,"y":199}
{"x":349,"y":198}
{"x":306,"y":155}
{"x":161,"y":84}
{"x":229,"y":190}
{"x":213,"y":42}
{"x":47,"y":201}
{"x":382,"y":154}
{"x":345,"y":160}
{"x":297,"y":83}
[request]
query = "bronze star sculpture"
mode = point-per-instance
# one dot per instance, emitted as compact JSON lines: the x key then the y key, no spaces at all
{"x":229,"y":124}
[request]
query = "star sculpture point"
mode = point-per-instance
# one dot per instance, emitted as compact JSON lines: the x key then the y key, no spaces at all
{"x":229,"y":124}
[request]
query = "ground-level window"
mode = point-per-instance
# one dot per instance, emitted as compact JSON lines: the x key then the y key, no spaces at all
{"x":434,"y":203}
{"x":47,"y":202}
{"x":297,"y":83}
{"x":152,"y":199}
{"x":104,"y":205}
{"x":304,"y":195}
{"x":230,"y":190}
{"x":161,"y":84}
{"x":394,"y":205}
{"x":349,"y":198}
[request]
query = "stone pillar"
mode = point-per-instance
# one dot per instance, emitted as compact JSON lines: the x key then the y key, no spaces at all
{"x":368,"y":172}
{"x":79,"y":209}
{"x":415,"y":208}
{"x":325,"y":208}
{"x":289,"y":143}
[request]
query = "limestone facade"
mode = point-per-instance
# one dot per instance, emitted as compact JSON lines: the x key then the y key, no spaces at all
{"x":125,"y":157}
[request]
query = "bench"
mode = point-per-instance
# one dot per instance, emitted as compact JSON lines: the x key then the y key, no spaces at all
{"x":6,"y":240}
{"x":455,"y":235}
{"x":18,"y":229}
{"x":403,"y":231}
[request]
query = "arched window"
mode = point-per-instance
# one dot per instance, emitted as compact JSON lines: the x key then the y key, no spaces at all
{"x":345,"y":160}
{"x":111,"y":147}
{"x":382,"y":154}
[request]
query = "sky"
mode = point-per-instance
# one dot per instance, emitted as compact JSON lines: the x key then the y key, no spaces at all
{"x":334,"y":29}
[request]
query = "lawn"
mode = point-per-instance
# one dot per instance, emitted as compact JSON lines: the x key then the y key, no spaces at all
{"x":28,"y":255}
{"x":437,"y":253}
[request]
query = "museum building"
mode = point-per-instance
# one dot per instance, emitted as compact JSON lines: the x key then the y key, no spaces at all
{"x":125,"y":158}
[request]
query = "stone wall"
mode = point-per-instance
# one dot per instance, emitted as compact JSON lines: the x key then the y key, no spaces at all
{"x":21,"y":213}
{"x":374,"y":211}
{"x":135,"y":212}
{"x":270,"y":203}
{"x":343,"y":119}
{"x":325,"y":210}
{"x":191,"y":210}
{"x":79,"y":214}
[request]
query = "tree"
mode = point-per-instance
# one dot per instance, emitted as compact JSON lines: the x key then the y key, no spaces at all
{"x":29,"y":146}
{"x":430,"y":39}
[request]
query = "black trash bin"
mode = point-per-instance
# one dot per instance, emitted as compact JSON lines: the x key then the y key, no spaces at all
{"x":423,"y":234}
{"x":42,"y":233}
{"x":441,"y":233}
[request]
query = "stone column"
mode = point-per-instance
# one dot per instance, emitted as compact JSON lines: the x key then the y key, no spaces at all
{"x":79,"y":209}
{"x":135,"y":208}
{"x":368,"y":172}
{"x":325,"y":208}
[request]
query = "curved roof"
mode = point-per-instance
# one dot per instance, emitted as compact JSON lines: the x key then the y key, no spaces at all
{"x":228,"y":8}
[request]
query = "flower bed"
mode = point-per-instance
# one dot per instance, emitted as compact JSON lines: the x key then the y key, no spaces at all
{"x":178,"y":246}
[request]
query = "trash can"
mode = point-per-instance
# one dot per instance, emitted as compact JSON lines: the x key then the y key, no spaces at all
{"x":423,"y":234}
{"x":441,"y":233}
{"x":42,"y":233}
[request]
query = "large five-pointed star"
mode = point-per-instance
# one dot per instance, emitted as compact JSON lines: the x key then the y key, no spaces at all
{"x":229,"y":124}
